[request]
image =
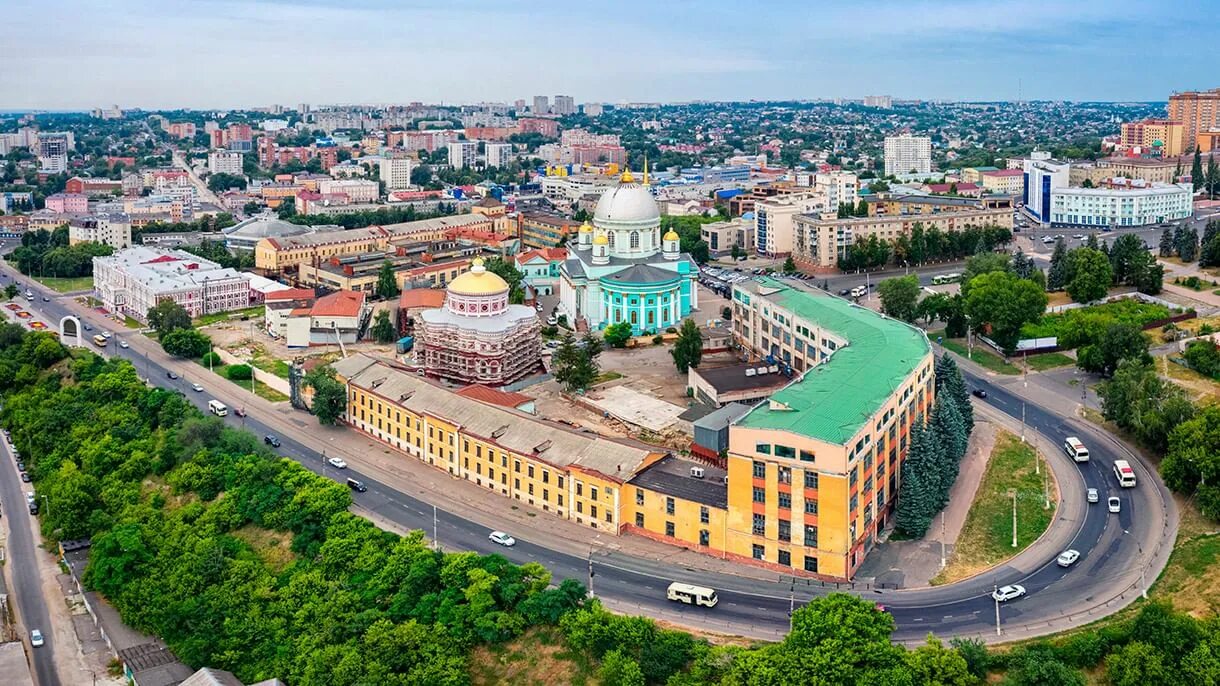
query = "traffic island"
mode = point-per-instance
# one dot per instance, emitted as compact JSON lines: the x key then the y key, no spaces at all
{"x":1018,"y":481}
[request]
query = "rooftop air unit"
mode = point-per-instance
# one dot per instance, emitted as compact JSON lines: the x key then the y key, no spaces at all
{"x":696,"y":472}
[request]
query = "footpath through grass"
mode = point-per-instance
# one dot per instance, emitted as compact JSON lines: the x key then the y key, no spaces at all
{"x":982,"y":355}
{"x":986,"y":537}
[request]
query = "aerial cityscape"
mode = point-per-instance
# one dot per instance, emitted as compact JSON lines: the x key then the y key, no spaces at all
{"x":609,"y":367}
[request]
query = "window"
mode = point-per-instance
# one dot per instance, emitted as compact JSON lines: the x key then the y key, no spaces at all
{"x":853,"y":504}
{"x":580,"y":506}
{"x":704,"y":537}
{"x":763,"y":448}
{"x":785,"y":475}
{"x":760,"y":495}
{"x":639,"y":497}
{"x":806,"y":456}
{"x":760,"y":470}
{"x":760,"y":552}
{"x":517,"y":466}
{"x":593,"y":511}
{"x":639,"y":519}
{"x":531,"y":488}
{"x":579,"y":488}
{"x":704,"y":515}
{"x":785,"y":501}
{"x":669,"y":529}
{"x":785,"y":530}
{"x":529,"y":471}
{"x":593,"y":493}
{"x":546,"y":477}
{"x":784,"y":451}
{"x":811,"y":480}
{"x":760,"y":524}
{"x":811,"y":507}
{"x":853,"y":477}
{"x":669,"y":505}
{"x":811,"y":536}
{"x":785,"y":558}
{"x":811,"y":564}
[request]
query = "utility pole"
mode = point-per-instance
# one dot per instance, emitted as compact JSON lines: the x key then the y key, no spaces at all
{"x":1013,"y":492}
{"x":1046,"y":488}
{"x":323,"y":463}
{"x":591,"y":593}
{"x":791,"y":601}
{"x":942,"y":539}
{"x":995,"y":597}
{"x":436,"y":536}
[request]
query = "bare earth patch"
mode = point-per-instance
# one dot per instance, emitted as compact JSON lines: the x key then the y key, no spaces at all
{"x":537,"y":658}
{"x":273,"y":547}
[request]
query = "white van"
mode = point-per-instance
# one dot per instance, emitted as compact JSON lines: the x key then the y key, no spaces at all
{"x":1075,"y":449}
{"x":858,"y":291}
{"x":217,"y":408}
{"x":1124,"y":473}
{"x":691,"y":595}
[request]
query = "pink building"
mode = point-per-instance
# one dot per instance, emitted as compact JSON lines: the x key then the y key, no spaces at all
{"x":68,"y":203}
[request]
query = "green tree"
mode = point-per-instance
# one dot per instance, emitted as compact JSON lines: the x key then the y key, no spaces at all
{"x":186,"y":343}
{"x":11,"y":291}
{"x":287,"y":208}
{"x":1196,"y":171}
{"x":1091,"y":275}
{"x":239,"y":372}
{"x":620,"y":670}
{"x":1057,"y":275}
{"x":949,"y":429}
{"x":573,"y":365}
{"x":329,"y":396}
{"x":617,"y":335}
{"x":1138,"y":664}
{"x":984,"y":263}
{"x":167,"y":316}
{"x":1192,"y":463}
{"x":220,"y":182}
{"x":1121,"y":341}
{"x":1167,"y":247}
{"x":789,"y":266}
{"x":508,"y":271}
{"x":1209,"y":252}
{"x":688,"y":349}
{"x":900,"y":297}
{"x":1188,"y":243}
{"x":387,"y":285}
{"x":383,"y":329}
{"x":920,"y":486}
{"x":1138,"y":400}
{"x":933,"y":663}
{"x":955,"y":317}
{"x":1039,"y":667}
{"x":950,"y":384}
{"x":1000,"y":303}
{"x":1148,"y":275}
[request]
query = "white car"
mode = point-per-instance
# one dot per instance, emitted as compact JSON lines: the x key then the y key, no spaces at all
{"x":552,"y":321}
{"x":1092,"y":495}
{"x":124,"y":344}
{"x":36,"y":638}
{"x":197,"y":388}
{"x":336,"y":462}
{"x":501,"y":538}
{"x":1005,"y":593}
{"x":106,"y":334}
{"x":538,"y":307}
{"x":1114,"y":505}
{"x":1067,"y":558}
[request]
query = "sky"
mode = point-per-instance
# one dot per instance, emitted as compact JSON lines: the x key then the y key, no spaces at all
{"x":221,"y":54}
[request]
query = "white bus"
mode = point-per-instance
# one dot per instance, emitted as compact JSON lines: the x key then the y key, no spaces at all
{"x":1075,"y":449}
{"x":940,"y":279}
{"x":217,"y":408}
{"x":691,"y":595}
{"x":1124,"y":473}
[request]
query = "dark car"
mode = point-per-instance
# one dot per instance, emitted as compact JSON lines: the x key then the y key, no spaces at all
{"x":357,"y":485}
{"x":171,"y":375}
{"x":33,"y":508}
{"x":271,"y":441}
{"x":25,"y":477}
{"x":979,"y":393}
{"x":88,"y":327}
{"x":845,"y":291}
{"x":20,"y":466}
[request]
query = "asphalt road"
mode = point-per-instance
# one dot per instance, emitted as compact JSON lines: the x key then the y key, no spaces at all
{"x":27,"y":582}
{"x":1107,"y":554}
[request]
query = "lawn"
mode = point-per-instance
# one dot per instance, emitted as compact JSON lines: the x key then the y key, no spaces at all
{"x":67,"y":284}
{"x":606,"y":376}
{"x":248,"y":313}
{"x":1048,"y":361}
{"x":1128,"y":310}
{"x":132,"y":323}
{"x":982,"y":355}
{"x":261,"y":389}
{"x":536,"y":658}
{"x":986,"y":537}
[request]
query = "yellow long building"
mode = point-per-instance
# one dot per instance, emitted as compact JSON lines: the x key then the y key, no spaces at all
{"x":811,"y":474}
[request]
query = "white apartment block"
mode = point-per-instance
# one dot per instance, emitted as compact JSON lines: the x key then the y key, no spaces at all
{"x":884,"y":102}
{"x":396,"y":172}
{"x":224,"y":162}
{"x":462,"y":153}
{"x":906,"y":153}
{"x":836,"y":188}
{"x":109,"y":229}
{"x":773,"y":229}
{"x":356,"y":190}
{"x":594,"y":109}
{"x":498,"y":154}
{"x":132,"y":281}
{"x":1123,"y":203}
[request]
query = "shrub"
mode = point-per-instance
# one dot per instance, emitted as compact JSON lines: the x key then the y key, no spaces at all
{"x":675,"y":330}
{"x":211,"y":359}
{"x":657,"y":340}
{"x":240,"y":372}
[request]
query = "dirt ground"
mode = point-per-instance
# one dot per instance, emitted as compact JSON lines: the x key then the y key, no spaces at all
{"x":237,"y":336}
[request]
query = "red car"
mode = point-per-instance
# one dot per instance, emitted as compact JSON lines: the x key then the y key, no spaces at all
{"x":240,"y":412}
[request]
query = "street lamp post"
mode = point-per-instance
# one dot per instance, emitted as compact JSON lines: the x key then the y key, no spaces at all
{"x":1013,"y":493}
{"x":1143,"y":584}
{"x":996,"y":597}
{"x":436,"y":534}
{"x":942,"y":539}
{"x":791,"y":601}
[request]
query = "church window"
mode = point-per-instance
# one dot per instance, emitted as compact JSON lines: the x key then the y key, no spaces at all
{"x":635,"y":319}
{"x":610,"y":237}
{"x":635,"y":239}
{"x":650,"y":318}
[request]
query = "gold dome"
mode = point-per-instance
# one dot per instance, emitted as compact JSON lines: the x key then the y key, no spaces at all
{"x":478,"y":281}
{"x":627,"y":177}
{"x":601,"y":239}
{"x":671,"y":235}
{"x":586,"y":228}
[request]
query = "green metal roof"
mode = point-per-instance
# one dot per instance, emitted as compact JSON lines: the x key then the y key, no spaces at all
{"x":831,"y":401}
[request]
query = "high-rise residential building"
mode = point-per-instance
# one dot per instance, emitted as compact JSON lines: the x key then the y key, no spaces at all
{"x":396,"y":172}
{"x":773,"y":228}
{"x":836,"y":188}
{"x":564,"y":105}
{"x":223,"y":162}
{"x":1197,"y":110}
{"x":905,"y":154}
{"x":498,"y":154}
{"x":462,"y":153}
{"x":884,"y":102}
{"x":53,"y":152}
{"x":541,"y":104}
{"x":1163,"y":137}
{"x":593,"y":109}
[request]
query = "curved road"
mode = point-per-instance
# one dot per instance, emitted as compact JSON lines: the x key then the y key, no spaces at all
{"x":1114,"y":548}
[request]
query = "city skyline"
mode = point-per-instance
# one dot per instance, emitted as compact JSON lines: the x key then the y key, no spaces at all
{"x":237,"y":55}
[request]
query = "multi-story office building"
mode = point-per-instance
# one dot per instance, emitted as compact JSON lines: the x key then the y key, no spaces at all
{"x":1197,"y":110}
{"x":109,"y":229}
{"x":773,"y":228}
{"x":722,"y":236}
{"x":1161,"y":137}
{"x":541,"y":105}
{"x":225,"y":163}
{"x":1120,"y":202}
{"x":564,"y":105}
{"x":905,"y":154}
{"x":132,"y":281}
{"x":67,"y":203}
{"x":539,"y":230}
{"x":1041,"y":178}
{"x":395,"y":172}
{"x":497,"y":154}
{"x":356,"y":190}
{"x":1147,"y":169}
{"x":1003,"y":181}
{"x":462,"y":153}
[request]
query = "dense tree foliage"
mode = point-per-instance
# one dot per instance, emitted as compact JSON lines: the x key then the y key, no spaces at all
{"x":167,"y":316}
{"x":1090,"y":275}
{"x":1137,"y":399}
{"x":1000,"y":303}
{"x":900,"y":297}
{"x":507,"y":270}
{"x":47,"y":253}
{"x":387,"y":285}
{"x":383,"y":330}
{"x":187,"y":343}
{"x":617,"y":335}
{"x":329,"y":396}
{"x":923,"y":245}
{"x":688,"y":349}
{"x":574,"y":363}
{"x":1117,"y":342}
